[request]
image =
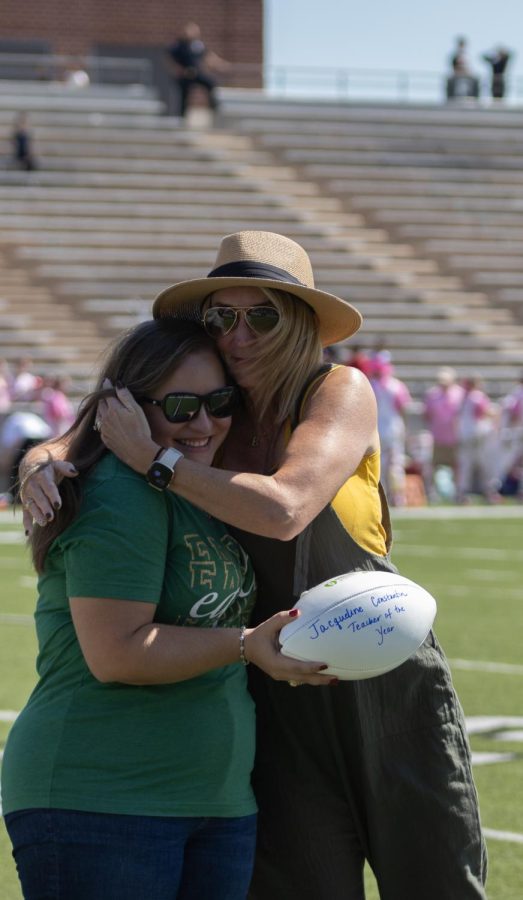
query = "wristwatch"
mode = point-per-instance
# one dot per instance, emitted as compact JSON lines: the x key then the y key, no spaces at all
{"x":161,"y":471}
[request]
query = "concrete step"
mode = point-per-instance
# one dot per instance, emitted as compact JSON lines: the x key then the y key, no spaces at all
{"x":425,"y":189}
{"x":421,"y":174}
{"x":76,"y":101}
{"x":23,"y":336}
{"x":242,"y":102}
{"x":126,"y":190}
{"x":492,"y":261}
{"x":211,"y":188}
{"x":450,"y":235}
{"x":203,"y":256}
{"x":52,"y":355}
{"x":191,"y":229}
{"x":100,"y":118}
{"x":174,"y":215}
{"x":409,"y":158}
{"x":509,"y":295}
{"x":494,"y":279}
{"x":10,"y":320}
{"x":383,"y":133}
{"x":51,"y":88}
{"x":453,"y":356}
{"x":72,"y":229}
{"x":168,"y":273}
{"x":449,"y":204}
{"x":422,"y":148}
{"x":414,"y":216}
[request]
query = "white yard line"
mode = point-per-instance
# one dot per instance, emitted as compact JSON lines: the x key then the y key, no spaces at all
{"x":458,"y":512}
{"x":485,"y":553}
{"x":510,"y":836}
{"x":12,"y":537}
{"x":16,"y":619}
{"x":476,"y":665}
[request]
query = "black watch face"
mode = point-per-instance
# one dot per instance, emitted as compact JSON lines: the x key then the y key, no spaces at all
{"x":159,"y":476}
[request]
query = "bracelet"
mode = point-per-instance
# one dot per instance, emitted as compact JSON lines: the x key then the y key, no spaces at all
{"x":243,"y":659}
{"x":33,"y":470}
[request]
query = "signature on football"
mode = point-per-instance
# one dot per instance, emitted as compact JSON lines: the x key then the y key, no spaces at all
{"x":382,"y":621}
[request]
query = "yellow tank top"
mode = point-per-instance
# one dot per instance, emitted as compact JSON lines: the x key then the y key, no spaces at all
{"x":359,"y":502}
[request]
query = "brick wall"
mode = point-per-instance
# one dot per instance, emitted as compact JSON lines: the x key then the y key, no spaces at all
{"x":232,"y":28}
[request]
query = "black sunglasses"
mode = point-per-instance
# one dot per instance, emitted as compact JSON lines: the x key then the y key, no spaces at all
{"x":220,"y":320}
{"x":181,"y":406}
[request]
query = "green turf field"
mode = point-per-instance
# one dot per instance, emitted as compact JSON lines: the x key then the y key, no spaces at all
{"x":473,"y":567}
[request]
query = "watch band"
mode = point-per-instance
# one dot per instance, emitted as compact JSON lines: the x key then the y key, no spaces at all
{"x":161,"y":471}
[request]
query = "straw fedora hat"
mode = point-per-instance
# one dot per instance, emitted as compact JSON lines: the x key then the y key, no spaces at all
{"x":262,"y":259}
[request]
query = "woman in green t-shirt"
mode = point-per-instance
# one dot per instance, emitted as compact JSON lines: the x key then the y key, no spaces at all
{"x":127,"y":774}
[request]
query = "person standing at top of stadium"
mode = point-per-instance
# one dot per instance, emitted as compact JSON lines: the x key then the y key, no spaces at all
{"x":498,"y":61}
{"x":376,"y":769}
{"x":127,"y":774}
{"x":459,"y":60}
{"x":193,"y":64}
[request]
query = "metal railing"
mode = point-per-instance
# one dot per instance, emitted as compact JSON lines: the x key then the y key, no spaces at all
{"x":373,"y":84}
{"x":313,"y":82}
{"x":339,"y":83}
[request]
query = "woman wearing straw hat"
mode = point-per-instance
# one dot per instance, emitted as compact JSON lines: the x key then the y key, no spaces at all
{"x":377,"y":769}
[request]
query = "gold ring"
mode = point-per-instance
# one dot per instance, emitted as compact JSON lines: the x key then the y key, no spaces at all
{"x":294,"y":683}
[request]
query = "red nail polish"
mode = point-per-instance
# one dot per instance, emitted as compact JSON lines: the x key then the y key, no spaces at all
{"x":322,"y":668}
{"x":334,"y":681}
{"x":293,"y":613}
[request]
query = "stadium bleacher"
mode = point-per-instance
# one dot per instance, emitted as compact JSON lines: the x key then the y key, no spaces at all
{"x":412,"y":213}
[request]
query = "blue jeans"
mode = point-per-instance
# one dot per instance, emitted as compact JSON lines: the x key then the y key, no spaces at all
{"x":68,"y":855}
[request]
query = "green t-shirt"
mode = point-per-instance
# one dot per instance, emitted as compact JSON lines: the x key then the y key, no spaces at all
{"x":183,"y":749}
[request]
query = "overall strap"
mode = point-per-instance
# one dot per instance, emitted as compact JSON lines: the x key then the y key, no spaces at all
{"x":306,"y":389}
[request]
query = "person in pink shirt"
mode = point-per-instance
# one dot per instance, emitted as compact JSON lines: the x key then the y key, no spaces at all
{"x":58,"y":411}
{"x":476,"y":433}
{"x":441,"y":407}
{"x":6,"y":381}
{"x":511,"y":436}
{"x":392,"y":398}
{"x":359,"y":360}
{"x":25,"y":384}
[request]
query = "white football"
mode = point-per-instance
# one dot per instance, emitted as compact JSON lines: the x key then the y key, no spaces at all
{"x":361,"y":624}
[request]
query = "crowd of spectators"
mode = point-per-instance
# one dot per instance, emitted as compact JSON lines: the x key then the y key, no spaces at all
{"x":455,"y":442}
{"x":33,"y":408}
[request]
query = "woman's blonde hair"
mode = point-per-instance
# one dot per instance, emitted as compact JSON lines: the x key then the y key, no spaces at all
{"x":284,"y":359}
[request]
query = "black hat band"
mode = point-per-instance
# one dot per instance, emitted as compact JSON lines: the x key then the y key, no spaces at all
{"x":251,"y":269}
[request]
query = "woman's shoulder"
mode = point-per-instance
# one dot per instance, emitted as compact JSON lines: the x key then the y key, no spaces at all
{"x":113,"y":478}
{"x":340,"y":374}
{"x":110,"y":466}
{"x":336,"y":383}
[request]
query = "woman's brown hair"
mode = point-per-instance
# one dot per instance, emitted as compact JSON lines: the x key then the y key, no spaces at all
{"x":141,"y":359}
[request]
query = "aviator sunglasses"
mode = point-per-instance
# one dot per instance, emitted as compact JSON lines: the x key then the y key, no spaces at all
{"x":182,"y":406}
{"x":221,"y":320}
